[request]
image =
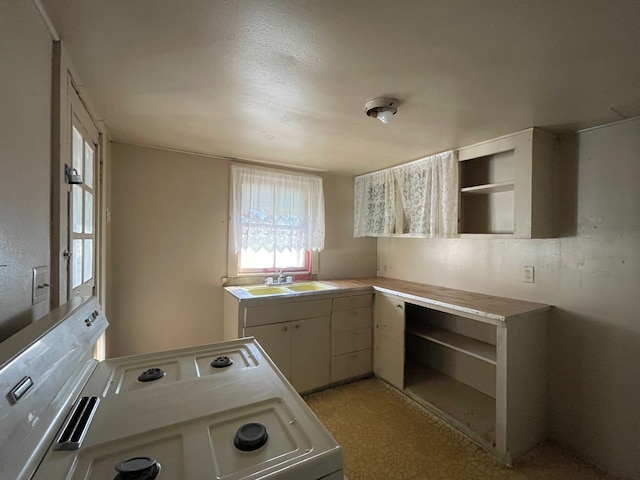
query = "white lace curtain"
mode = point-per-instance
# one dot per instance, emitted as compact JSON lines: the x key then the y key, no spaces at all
{"x":418,"y":198}
{"x":276,"y":210}
{"x":375,"y":198}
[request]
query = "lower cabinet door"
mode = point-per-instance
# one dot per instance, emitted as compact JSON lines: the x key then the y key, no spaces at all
{"x":276,"y":341}
{"x":311,"y":353}
{"x":388,"y":340}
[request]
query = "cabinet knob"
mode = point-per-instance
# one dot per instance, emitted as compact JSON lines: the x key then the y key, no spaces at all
{"x":399,"y":306}
{"x":284,"y":329}
{"x":297,"y":326}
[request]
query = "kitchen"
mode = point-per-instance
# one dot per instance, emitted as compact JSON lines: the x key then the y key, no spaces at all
{"x":169,"y":242}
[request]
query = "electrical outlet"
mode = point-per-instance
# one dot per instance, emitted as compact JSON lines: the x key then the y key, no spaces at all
{"x":528,"y":274}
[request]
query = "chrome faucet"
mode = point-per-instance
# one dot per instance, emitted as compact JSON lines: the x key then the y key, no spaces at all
{"x":281,"y":279}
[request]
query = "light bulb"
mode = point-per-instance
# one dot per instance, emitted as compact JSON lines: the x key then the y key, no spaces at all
{"x":384,"y":116}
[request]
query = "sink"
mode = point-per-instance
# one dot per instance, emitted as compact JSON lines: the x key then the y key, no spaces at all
{"x":267,"y":290}
{"x":260,"y":290}
{"x":309,"y":287}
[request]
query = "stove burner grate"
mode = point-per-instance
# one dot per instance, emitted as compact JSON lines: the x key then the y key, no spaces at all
{"x":250,"y":436}
{"x":221,"y":362}
{"x":138,"y":468}
{"x":151,"y":374}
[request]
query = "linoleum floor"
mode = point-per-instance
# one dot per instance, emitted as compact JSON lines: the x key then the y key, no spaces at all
{"x":386,"y":436}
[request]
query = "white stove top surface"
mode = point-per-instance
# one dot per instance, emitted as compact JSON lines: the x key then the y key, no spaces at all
{"x":120,"y":375}
{"x":188,"y":418}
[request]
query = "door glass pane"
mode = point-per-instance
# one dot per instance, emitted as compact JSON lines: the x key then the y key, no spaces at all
{"x":76,"y":205}
{"x":88,"y":259}
{"x":76,"y":258}
{"x":88,"y":165}
{"x":76,"y":150}
{"x":88,"y":212}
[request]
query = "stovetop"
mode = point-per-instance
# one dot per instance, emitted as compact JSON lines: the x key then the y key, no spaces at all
{"x":121,"y":375}
{"x":219,"y":411}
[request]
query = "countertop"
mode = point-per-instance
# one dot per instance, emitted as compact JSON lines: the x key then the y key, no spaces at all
{"x":490,"y":307}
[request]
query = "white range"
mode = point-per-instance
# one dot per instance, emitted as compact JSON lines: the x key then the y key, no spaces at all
{"x":219,"y":411}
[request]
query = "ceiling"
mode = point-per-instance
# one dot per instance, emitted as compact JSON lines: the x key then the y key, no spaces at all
{"x":286,"y":82}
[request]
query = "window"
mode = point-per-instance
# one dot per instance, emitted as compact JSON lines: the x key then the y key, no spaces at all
{"x":278,"y":219}
{"x":82,"y":214}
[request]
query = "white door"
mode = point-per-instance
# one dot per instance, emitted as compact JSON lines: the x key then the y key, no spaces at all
{"x":276,"y":341}
{"x":388,"y":340}
{"x":83,"y":200}
{"x":311,"y":353}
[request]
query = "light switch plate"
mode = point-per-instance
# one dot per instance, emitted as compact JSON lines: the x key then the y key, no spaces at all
{"x":40,"y":284}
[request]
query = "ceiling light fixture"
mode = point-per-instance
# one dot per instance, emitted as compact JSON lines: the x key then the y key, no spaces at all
{"x":382,"y":108}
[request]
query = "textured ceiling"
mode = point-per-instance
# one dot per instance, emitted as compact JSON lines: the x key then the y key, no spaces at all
{"x":286,"y":81}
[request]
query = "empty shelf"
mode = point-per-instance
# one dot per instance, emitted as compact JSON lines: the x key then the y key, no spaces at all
{"x":470,"y":346}
{"x":464,"y":407}
{"x":489,"y":188}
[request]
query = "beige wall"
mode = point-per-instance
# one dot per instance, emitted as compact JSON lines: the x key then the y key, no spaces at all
{"x":25,"y":136}
{"x":590,"y":275}
{"x":343,"y":256}
{"x":169,"y":247}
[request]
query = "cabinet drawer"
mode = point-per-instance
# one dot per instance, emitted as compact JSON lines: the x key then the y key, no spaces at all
{"x":285,"y":312}
{"x":351,"y":341}
{"x":354,"y":319}
{"x":349,"y":303}
{"x":350,"y":365}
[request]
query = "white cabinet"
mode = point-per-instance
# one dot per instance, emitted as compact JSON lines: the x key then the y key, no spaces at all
{"x":310,"y":353}
{"x":351,"y":337}
{"x":300,"y":349}
{"x":507,"y":186}
{"x":296,"y":334}
{"x":276,"y":341}
{"x":482,"y":372}
{"x":388,"y":340}
{"x":402,"y":201}
{"x":314,"y":341}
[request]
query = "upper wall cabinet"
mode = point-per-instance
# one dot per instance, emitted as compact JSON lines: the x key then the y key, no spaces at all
{"x":419,"y":198}
{"x":507,"y":186}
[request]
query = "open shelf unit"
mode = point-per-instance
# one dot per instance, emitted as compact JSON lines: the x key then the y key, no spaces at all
{"x":461,"y":343}
{"x":506,"y":186}
{"x":481,"y":371}
{"x":450,"y":368}
{"x":462,"y":406}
